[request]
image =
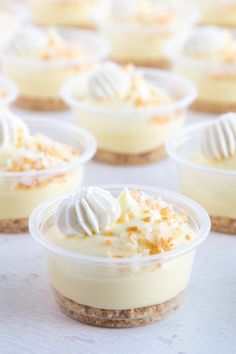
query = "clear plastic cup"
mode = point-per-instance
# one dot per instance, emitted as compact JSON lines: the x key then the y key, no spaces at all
{"x":8,"y":91}
{"x":109,"y":292}
{"x":76,"y":13}
{"x":21,"y":192}
{"x":215,"y":81}
{"x":213,"y":188}
{"x":40,"y":80}
{"x":143,"y":44}
{"x":128,"y":135}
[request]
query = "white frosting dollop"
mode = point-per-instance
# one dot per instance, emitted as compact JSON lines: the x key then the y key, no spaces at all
{"x":110,"y":81}
{"x":90,"y":210}
{"x":121,"y":10}
{"x":207,"y":42}
{"x":219,"y":138}
{"x":28,"y":43}
{"x":13,"y":131}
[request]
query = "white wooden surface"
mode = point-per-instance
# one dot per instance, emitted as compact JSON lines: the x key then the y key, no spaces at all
{"x":30,"y":322}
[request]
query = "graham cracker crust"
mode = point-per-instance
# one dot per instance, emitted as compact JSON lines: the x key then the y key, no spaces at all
{"x":210,"y":107}
{"x":118,"y":318}
{"x":161,"y":63}
{"x":14,"y":226}
{"x":223,"y":224}
{"x":114,"y":158}
{"x":35,"y":104}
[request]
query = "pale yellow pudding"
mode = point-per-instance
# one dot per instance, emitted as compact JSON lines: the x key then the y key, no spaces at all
{"x":137,"y":30}
{"x":34,"y":167}
{"x":40,"y":61}
{"x":208,"y":58}
{"x":220,"y":13}
{"x":130,"y":112}
{"x":64,"y":12}
{"x":109,"y":248}
{"x":208,"y":172}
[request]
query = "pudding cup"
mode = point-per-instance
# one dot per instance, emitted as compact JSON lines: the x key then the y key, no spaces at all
{"x":40,"y":81}
{"x":74,"y":13}
{"x":21,"y":192}
{"x":143,"y":44}
{"x":213,"y":188}
{"x":8,"y":92}
{"x":109,"y":292}
{"x":215,"y":82}
{"x":132,"y":135}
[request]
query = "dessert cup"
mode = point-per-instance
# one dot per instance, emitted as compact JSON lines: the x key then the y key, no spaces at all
{"x":143,"y":44}
{"x":75,"y":13}
{"x":132,"y":135}
{"x":109,"y":292}
{"x":8,"y":91}
{"x":213,"y":188}
{"x":215,"y":82}
{"x":40,"y":81}
{"x":21,"y":192}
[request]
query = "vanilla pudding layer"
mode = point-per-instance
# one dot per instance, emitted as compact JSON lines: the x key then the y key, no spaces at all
{"x":31,"y":80}
{"x":224,"y":15}
{"x":137,"y":45}
{"x":216,"y":192}
{"x":212,"y":88}
{"x":116,"y":288}
{"x":131,"y":134}
{"x":18,"y":201}
{"x":62,"y":12}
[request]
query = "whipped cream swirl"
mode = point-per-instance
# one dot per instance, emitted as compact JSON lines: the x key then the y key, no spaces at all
{"x":110,"y":81}
{"x":219,"y":139}
{"x":90,"y":210}
{"x":121,"y":10}
{"x":13,"y":131}
{"x":28,"y":43}
{"x":208,"y":42}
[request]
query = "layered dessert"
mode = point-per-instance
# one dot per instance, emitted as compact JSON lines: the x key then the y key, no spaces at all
{"x":208,"y":58}
{"x":130,"y":112}
{"x":137,"y":30}
{"x":207,"y":161}
{"x":39,"y":61}
{"x":64,"y":12}
{"x":103,"y":248}
{"x":33,"y":167}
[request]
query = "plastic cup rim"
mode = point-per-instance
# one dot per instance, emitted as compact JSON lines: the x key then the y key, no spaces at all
{"x":90,"y":146}
{"x":176,"y":156}
{"x":189,"y":97}
{"x":203,"y":231}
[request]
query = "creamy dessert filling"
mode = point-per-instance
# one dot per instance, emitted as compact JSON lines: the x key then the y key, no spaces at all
{"x":147,"y":12}
{"x":24,"y":158}
{"x":117,"y":86}
{"x":211,"y":44}
{"x":212,"y":183}
{"x":134,"y":225}
{"x":22,"y":152}
{"x":35,"y":44}
{"x":218,"y":147}
{"x":128,"y":110}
